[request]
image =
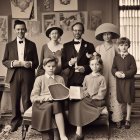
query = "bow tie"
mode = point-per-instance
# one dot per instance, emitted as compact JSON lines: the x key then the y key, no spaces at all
{"x":76,"y":42}
{"x":20,"y":42}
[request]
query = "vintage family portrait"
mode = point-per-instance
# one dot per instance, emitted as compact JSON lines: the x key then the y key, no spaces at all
{"x":69,"y":70}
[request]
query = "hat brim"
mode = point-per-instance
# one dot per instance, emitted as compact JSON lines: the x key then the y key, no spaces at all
{"x":54,"y":28}
{"x":107,"y":27}
{"x":100,"y":36}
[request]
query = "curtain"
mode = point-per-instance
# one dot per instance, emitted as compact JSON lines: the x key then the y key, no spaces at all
{"x":130,"y":24}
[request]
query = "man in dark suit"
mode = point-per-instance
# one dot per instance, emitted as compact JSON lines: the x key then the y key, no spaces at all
{"x":21,"y":60}
{"x":76,"y":55}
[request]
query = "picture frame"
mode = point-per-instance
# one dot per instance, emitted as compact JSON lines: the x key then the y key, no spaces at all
{"x":94,"y":19}
{"x":33,"y":15}
{"x":3,"y":29}
{"x":67,"y":19}
{"x":21,"y":9}
{"x":49,"y":19}
{"x":65,"y":5}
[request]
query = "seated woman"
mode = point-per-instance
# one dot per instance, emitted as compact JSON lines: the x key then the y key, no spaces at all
{"x":94,"y":87}
{"x":45,"y":110}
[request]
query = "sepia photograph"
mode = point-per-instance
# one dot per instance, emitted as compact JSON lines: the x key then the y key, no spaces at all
{"x":21,"y":8}
{"x":70,"y":70}
{"x":3,"y":29}
{"x":48,"y":20}
{"x":67,"y":19}
{"x":94,"y":19}
{"x":65,"y":5}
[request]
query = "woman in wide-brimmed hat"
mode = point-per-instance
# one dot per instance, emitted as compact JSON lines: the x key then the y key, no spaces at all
{"x":52,"y":48}
{"x":106,"y":32}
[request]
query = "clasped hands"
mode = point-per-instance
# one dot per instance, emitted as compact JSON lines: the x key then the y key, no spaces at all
{"x":26,"y":64}
{"x":42,"y":99}
{"x":120,"y":74}
{"x":73,"y":61}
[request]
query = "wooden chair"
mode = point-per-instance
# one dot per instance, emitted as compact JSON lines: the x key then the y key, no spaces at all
{"x":103,"y":119}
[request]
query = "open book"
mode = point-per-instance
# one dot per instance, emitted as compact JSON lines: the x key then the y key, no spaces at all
{"x":61,"y":92}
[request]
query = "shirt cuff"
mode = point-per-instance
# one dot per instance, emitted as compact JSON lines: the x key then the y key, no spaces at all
{"x":70,"y":64}
{"x":31,"y":63}
{"x":12,"y":64}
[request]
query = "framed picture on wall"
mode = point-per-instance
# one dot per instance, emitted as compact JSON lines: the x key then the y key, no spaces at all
{"x":65,"y":5}
{"x":67,"y":19}
{"x":49,"y":19}
{"x":22,"y":8}
{"x":3,"y":29}
{"x":33,"y":15}
{"x":94,"y":19}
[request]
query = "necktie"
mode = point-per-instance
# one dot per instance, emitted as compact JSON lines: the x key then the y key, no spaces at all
{"x":76,"y":42}
{"x":20,"y":42}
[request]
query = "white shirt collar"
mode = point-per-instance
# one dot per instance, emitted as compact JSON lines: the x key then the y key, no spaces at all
{"x":48,"y":76}
{"x":95,"y":74}
{"x":19,"y":39}
{"x":80,"y":40}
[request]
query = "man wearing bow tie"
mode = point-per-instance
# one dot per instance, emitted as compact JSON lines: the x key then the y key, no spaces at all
{"x":21,"y":60}
{"x":75,"y":60}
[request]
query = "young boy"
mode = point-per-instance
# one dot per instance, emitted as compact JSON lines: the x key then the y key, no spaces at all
{"x":124,"y":68}
{"x":45,"y":110}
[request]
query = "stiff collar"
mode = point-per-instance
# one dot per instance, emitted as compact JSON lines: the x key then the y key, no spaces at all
{"x":48,"y":76}
{"x":19,"y":39}
{"x":95,"y":74}
{"x":123,"y":55}
{"x":80,"y":40}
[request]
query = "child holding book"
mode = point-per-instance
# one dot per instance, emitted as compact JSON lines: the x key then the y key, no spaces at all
{"x":45,"y":111}
{"x":85,"y":111}
{"x":124,"y":68}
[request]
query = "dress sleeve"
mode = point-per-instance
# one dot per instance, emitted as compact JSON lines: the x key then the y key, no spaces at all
{"x":114,"y":67}
{"x":40,"y":70}
{"x":132,"y":69}
{"x":85,"y":91}
{"x":102,"y":90}
{"x":36,"y":89}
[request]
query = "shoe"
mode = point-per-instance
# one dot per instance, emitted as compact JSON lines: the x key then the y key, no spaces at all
{"x":127,"y":124}
{"x":77,"y":137}
{"x":118,"y":125}
{"x":15,"y":127}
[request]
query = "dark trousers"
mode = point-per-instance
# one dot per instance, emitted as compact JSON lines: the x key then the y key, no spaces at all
{"x":20,"y":86}
{"x":76,"y":79}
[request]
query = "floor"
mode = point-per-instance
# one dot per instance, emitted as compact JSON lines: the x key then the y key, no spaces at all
{"x":91,"y":132}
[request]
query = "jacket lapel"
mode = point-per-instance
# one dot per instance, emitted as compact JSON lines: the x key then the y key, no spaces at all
{"x":25,"y":49}
{"x":14,"y":47}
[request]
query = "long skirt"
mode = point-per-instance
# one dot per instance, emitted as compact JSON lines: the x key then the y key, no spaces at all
{"x":43,"y":118}
{"x":85,"y":111}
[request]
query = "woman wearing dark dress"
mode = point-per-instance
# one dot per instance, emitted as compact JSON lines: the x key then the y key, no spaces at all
{"x":52,"y":48}
{"x":124,"y":68}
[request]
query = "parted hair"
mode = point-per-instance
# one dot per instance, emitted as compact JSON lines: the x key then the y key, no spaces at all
{"x":124,"y":40}
{"x":50,"y":59}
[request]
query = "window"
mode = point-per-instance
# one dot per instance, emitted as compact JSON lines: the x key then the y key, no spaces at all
{"x":130,"y":25}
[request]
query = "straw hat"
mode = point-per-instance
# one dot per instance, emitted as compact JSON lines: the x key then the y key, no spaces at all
{"x":107,"y":27}
{"x":54,"y":28}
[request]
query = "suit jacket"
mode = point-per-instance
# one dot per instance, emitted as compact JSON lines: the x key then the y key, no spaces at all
{"x":69,"y":51}
{"x":11,"y":53}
